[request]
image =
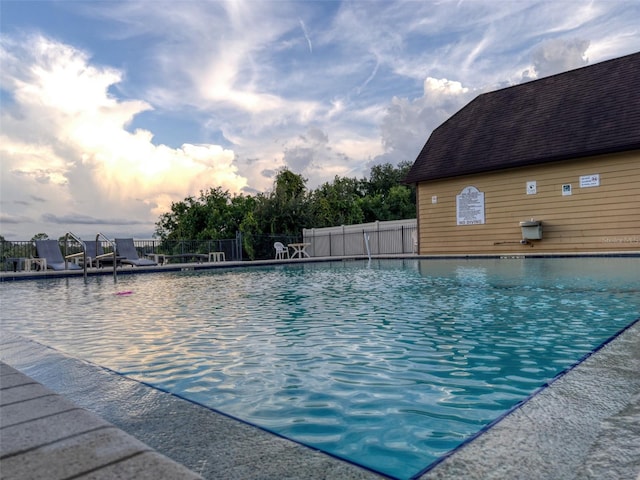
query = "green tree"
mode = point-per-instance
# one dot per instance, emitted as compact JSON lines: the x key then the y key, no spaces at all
{"x":289,"y":186}
{"x":214,"y":215}
{"x":336,"y":203}
{"x":285,"y":209}
{"x":400,"y":203}
{"x":176,"y":224}
{"x":250,"y":234}
{"x":289,"y":207}
{"x":386,"y":197}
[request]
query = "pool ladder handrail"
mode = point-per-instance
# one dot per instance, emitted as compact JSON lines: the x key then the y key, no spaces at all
{"x":366,"y":242}
{"x":113,"y":249}
{"x":84,"y":251}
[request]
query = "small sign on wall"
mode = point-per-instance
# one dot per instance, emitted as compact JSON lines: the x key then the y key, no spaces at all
{"x":532,"y":188}
{"x":470,"y":206}
{"x":590,"y":181}
{"x":566,"y":189}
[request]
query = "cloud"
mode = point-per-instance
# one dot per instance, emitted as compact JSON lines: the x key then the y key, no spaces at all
{"x":65,"y":139}
{"x":306,"y":35}
{"x":408,"y":123}
{"x":559,"y":55}
{"x":310,"y":149}
{"x":79,"y":219}
{"x":324,"y":88}
{"x":12,"y":219}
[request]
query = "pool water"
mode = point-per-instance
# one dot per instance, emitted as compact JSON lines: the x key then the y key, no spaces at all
{"x":389,"y":364}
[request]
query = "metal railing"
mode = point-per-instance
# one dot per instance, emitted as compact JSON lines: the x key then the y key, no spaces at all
{"x":14,"y":253}
{"x":110,"y":250}
{"x":66,"y":253}
{"x":232,"y":247}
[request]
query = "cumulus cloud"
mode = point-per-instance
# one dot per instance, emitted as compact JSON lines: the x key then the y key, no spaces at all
{"x":408,"y":123}
{"x":557,"y":55}
{"x":65,"y":139}
{"x":310,"y":149}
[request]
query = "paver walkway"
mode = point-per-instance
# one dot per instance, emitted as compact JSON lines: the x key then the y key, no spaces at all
{"x":44,"y":435}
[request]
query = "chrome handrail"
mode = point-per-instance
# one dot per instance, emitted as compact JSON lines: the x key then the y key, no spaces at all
{"x":113,"y":249}
{"x":84,"y":251}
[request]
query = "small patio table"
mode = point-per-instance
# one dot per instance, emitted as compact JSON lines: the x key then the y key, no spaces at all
{"x":299,"y":249}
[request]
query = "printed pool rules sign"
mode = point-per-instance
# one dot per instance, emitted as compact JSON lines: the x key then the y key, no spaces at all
{"x":470,"y":206}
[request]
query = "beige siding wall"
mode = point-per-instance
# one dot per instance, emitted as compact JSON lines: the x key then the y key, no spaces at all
{"x":605,"y":218}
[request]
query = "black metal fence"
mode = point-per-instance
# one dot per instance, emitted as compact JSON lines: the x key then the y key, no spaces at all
{"x":261,"y":247}
{"x":231,"y":247}
{"x":381,"y":241}
{"x":257,"y":247}
{"x":14,"y":253}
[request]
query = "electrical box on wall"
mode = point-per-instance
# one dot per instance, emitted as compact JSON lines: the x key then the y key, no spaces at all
{"x":532,"y":187}
{"x":531,"y":229}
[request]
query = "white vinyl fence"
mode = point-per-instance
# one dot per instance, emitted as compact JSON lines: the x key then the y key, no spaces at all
{"x":393,"y":237}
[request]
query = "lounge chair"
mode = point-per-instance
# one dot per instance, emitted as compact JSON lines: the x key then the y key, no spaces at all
{"x":50,"y":251}
{"x":128,"y":254}
{"x":281,"y":250}
{"x":95,"y":256}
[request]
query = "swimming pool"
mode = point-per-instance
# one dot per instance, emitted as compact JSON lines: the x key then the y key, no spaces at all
{"x":389,"y":364}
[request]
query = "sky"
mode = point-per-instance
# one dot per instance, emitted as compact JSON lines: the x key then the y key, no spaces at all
{"x":112,"y":110}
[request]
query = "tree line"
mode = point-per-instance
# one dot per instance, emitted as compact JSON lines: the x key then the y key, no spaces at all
{"x":289,"y":207}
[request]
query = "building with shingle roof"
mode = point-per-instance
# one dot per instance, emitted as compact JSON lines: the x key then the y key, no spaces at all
{"x":561,"y":153}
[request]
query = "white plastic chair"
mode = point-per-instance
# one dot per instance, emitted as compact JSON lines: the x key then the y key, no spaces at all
{"x":281,"y":250}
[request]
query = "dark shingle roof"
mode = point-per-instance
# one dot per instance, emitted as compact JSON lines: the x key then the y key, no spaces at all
{"x":589,"y":111}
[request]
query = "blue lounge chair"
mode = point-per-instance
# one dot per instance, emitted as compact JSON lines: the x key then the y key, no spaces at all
{"x":128,"y":254}
{"x":50,"y":251}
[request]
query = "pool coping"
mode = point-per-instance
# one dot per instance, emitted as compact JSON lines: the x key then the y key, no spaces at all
{"x":193,"y":266}
{"x":44,"y":435}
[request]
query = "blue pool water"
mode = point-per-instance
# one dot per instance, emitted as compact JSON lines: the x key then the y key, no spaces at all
{"x":389,"y":364}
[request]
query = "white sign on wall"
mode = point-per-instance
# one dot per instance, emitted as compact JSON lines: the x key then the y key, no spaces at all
{"x":470,"y":206}
{"x":590,"y":181}
{"x":532,"y":188}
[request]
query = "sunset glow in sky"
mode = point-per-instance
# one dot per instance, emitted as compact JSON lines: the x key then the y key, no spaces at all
{"x":109,"y":111}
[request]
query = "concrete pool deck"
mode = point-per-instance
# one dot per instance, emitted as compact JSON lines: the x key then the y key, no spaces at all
{"x":44,"y":435}
{"x":585,"y":425}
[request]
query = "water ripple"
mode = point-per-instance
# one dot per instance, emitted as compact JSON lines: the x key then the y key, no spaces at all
{"x":389,"y":365}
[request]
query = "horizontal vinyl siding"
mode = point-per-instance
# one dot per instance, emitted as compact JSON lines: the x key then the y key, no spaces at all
{"x":594,"y":219}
